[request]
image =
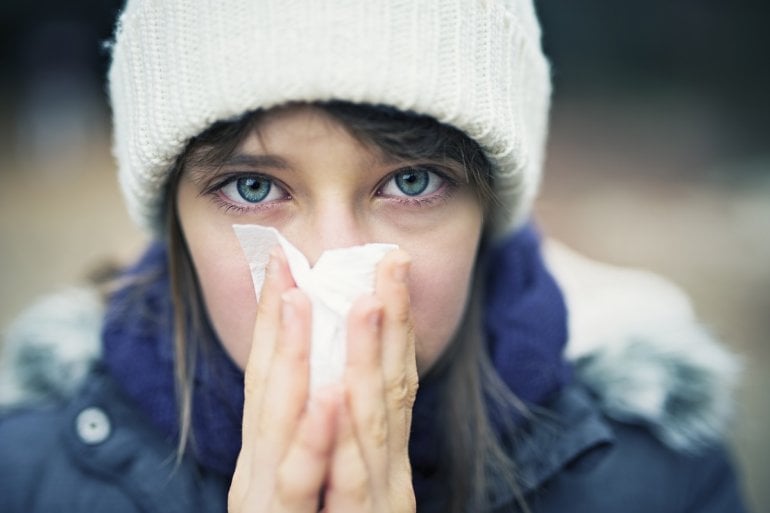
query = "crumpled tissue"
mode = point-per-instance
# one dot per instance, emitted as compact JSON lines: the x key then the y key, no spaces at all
{"x":332,"y":284}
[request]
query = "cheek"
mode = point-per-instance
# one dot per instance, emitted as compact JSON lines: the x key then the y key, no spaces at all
{"x":438,"y":305}
{"x":229,"y":296}
{"x":440,"y":283}
{"x":224,"y":278}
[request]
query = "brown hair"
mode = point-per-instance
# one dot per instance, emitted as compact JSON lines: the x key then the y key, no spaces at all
{"x":471,"y":450}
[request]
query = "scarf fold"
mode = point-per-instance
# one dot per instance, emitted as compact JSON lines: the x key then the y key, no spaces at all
{"x":525,"y":321}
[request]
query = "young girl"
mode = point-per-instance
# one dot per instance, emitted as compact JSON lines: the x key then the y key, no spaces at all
{"x":417,"y":124}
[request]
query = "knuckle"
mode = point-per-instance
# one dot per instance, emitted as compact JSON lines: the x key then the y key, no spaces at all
{"x":402,"y":390}
{"x":403,"y":316}
{"x":397,"y":391}
{"x":412,"y":386}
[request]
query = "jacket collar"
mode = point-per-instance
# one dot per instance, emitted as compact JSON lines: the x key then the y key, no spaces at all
{"x":106,"y":435}
{"x":555,"y":436}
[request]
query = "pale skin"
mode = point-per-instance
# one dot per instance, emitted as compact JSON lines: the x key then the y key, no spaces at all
{"x":345,"y":444}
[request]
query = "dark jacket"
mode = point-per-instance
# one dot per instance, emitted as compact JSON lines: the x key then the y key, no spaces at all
{"x":641,"y":429}
{"x":96,"y":453}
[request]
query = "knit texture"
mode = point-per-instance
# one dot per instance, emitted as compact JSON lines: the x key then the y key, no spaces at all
{"x":180,"y":65}
{"x":138,"y":353}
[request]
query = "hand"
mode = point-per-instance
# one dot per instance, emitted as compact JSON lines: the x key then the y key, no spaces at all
{"x":286,"y":449}
{"x":370,"y":469}
{"x":349,"y":443}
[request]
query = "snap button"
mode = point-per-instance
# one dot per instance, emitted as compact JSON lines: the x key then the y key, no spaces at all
{"x":93,"y":426}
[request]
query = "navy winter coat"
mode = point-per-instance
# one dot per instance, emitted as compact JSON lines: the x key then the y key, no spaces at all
{"x":96,"y":453}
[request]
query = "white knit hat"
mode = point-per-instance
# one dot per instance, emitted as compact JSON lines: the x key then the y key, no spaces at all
{"x":180,"y":65}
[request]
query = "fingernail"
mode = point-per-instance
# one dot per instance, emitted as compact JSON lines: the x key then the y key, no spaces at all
{"x":288,"y":310}
{"x":273,"y":263}
{"x":373,"y":320}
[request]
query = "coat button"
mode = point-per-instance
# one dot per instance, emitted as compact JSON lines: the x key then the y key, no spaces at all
{"x":93,"y":426}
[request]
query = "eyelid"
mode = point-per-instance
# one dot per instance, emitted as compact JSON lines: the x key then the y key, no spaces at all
{"x":221,"y":180}
{"x":442,"y":172}
{"x":215,"y":190}
{"x":446,"y":176}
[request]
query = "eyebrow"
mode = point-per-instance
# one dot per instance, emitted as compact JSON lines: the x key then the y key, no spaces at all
{"x":246,"y":159}
{"x":202,"y":172}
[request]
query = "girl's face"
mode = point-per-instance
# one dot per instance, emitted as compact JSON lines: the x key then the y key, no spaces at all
{"x":301,"y":172}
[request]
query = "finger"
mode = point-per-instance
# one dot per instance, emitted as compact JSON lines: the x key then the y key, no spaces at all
{"x":304,"y":470}
{"x":349,"y":486}
{"x":277,"y":280}
{"x":397,"y":330}
{"x":364,"y":347}
{"x":286,"y":389}
{"x":365,"y":385}
{"x":398,"y":346}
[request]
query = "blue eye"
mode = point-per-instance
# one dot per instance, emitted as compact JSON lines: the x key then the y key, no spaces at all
{"x":413,"y":182}
{"x":251,"y":190}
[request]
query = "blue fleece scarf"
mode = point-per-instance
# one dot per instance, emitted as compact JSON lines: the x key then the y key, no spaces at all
{"x":524,"y":320}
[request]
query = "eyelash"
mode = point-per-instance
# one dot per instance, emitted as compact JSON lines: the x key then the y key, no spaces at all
{"x":443,"y":193}
{"x":214,"y":190}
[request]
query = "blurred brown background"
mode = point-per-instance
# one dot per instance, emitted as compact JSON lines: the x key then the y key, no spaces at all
{"x":658,"y":158}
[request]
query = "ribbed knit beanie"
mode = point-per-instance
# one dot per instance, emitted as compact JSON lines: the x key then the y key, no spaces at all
{"x":180,"y":65}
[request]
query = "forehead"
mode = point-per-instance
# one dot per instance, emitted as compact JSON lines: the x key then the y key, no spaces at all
{"x":291,"y":127}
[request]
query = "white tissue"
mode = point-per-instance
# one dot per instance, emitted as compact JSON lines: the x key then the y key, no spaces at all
{"x":337,"y":279}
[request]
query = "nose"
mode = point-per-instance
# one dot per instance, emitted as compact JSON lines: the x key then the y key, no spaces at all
{"x":330,"y":226}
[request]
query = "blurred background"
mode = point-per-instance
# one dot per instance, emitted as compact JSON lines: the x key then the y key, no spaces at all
{"x":658,"y":158}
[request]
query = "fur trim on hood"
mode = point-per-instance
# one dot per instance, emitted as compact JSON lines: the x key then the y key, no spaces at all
{"x":48,"y":350}
{"x":637,"y":345}
{"x":634,"y":341}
